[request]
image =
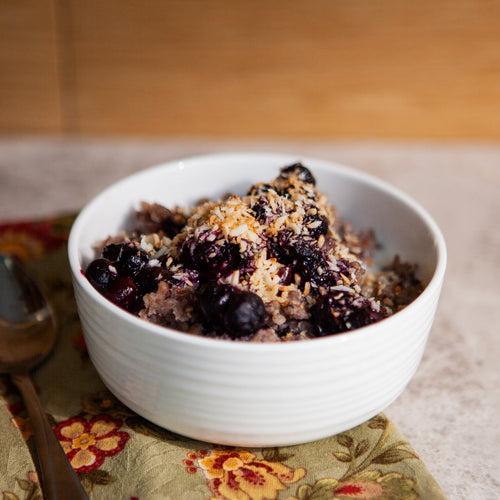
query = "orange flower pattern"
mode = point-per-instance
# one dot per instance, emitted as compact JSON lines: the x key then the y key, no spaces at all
{"x":31,"y":240}
{"x":87,"y":444}
{"x":239,"y":475}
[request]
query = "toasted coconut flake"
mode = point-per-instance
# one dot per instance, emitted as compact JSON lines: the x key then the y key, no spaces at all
{"x":235,"y":277}
{"x":239,"y":230}
{"x":343,"y":288}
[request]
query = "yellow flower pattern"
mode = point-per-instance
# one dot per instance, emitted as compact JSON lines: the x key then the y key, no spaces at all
{"x":239,"y":475}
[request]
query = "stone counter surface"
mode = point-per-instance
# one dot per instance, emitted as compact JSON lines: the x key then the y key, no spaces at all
{"x":450,"y":410}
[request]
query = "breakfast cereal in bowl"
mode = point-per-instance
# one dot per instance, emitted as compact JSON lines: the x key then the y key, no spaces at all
{"x":255,"y":299}
{"x":276,"y":264}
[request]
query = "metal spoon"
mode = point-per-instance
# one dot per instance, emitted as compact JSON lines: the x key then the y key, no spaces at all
{"x":27,"y":336}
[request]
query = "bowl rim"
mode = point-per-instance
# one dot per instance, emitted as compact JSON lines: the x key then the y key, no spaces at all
{"x":434,"y":283}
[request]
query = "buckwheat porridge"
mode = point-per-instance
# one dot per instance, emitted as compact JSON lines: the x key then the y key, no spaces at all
{"x":277,"y":264}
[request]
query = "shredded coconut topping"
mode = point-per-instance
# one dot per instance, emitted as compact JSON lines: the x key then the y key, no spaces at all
{"x":278,"y":253}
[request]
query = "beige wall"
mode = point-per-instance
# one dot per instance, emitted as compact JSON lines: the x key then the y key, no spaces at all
{"x":287,"y":68}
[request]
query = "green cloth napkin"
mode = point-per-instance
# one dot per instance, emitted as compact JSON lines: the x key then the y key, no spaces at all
{"x":119,"y":455}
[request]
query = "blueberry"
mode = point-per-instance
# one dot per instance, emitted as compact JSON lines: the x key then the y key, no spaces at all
{"x":149,"y":278}
{"x":212,"y":299}
{"x":301,"y":172}
{"x":244,"y":314}
{"x":112,"y":251}
{"x":282,"y":247}
{"x":230,"y":311}
{"x":209,"y":258}
{"x":320,"y":225}
{"x":100,"y":274}
{"x":124,"y":292}
{"x":330,"y":315}
{"x":260,"y":209}
{"x":303,"y":257}
{"x":323,"y":316}
{"x":131,"y":260}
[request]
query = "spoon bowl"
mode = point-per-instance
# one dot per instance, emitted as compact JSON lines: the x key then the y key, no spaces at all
{"x":27,"y":336}
{"x":27,"y":325}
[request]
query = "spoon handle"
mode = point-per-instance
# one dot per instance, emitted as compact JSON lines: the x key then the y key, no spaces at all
{"x":59,"y":480}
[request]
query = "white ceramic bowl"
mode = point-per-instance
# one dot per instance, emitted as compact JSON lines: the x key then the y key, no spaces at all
{"x":247,"y":394}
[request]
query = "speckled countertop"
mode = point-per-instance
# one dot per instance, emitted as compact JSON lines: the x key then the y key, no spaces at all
{"x":450,"y":410}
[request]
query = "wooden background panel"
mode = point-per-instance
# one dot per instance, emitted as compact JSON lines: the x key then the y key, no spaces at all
{"x":289,"y":68}
{"x":29,"y":84}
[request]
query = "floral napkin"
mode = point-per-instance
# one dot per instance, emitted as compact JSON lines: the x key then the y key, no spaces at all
{"x":119,"y":455}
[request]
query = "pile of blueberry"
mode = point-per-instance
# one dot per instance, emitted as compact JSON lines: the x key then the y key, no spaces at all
{"x":124,"y":274}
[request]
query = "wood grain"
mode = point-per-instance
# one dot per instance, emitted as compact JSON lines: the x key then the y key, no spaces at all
{"x":29,"y":82}
{"x":321,"y":68}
